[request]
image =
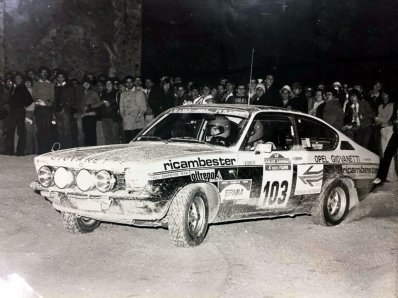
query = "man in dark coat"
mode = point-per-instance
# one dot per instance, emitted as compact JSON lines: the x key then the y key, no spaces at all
{"x":20,"y":98}
{"x":298,"y":102}
{"x":162,"y":98}
{"x":65,"y":109}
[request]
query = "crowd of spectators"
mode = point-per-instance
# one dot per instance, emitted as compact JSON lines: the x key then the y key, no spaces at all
{"x":45,"y":108}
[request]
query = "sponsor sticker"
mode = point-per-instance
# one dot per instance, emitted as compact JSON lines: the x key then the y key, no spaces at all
{"x":226,"y":112}
{"x":309,"y":179}
{"x":205,"y":175}
{"x":276,"y":162}
{"x":345,"y":159}
{"x":169,"y":175}
{"x":235,"y":189}
{"x":198,"y":163}
{"x":360,"y":171}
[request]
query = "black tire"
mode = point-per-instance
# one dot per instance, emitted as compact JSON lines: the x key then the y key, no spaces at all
{"x":333,"y":205}
{"x":76,"y":224}
{"x":188,"y":217}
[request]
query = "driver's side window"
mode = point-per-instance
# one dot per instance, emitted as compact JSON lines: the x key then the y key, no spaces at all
{"x":270,"y":128}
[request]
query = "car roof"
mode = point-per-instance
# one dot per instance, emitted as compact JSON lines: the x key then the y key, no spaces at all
{"x":241,"y":107}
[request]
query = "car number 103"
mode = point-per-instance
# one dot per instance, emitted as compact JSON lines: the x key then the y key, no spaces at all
{"x":276,"y":193}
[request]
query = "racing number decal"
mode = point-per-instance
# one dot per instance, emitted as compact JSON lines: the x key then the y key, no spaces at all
{"x":277,"y":180}
{"x":275,"y":193}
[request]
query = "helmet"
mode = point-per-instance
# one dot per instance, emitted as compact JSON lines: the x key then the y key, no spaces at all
{"x":219,"y":127}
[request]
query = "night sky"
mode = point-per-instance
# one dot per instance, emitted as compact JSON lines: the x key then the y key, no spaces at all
{"x":309,"y":40}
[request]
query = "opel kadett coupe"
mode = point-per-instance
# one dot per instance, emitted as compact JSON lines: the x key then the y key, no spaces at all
{"x":198,"y":165}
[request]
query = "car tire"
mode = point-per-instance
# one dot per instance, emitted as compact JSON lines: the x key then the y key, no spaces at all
{"x":75,"y":224}
{"x":188,"y":217}
{"x":333,"y":205}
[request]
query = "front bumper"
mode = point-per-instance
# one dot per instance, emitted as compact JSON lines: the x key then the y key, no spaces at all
{"x":127,"y":207}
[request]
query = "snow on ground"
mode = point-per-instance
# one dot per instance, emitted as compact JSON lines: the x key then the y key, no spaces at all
{"x":286,"y":257}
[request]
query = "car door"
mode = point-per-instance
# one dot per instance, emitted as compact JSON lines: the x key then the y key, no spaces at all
{"x":267,"y":161}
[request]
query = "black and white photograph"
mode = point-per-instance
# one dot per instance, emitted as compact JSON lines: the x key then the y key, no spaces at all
{"x":198,"y":148}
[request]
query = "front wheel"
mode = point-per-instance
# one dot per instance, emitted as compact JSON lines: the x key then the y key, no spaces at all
{"x":188,"y":217}
{"x":76,"y":224}
{"x":333,"y":205}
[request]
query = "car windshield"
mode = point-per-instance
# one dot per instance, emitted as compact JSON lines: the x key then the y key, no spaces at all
{"x":218,"y":128}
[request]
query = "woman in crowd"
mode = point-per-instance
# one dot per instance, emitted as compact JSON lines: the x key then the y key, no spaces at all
{"x":109,"y":113}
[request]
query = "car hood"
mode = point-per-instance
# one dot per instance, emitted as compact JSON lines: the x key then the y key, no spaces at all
{"x":117,"y":157}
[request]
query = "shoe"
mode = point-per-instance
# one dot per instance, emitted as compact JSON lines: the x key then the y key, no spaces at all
{"x":377,"y":181}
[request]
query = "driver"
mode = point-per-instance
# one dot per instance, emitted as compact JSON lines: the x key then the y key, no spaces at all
{"x":219,"y":131}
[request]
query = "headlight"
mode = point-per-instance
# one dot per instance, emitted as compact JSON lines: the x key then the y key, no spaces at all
{"x":104,"y":181}
{"x":45,"y":176}
{"x":85,"y":180}
{"x":63,"y":178}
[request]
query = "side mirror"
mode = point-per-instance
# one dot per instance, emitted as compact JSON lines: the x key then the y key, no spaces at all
{"x":263,"y":148}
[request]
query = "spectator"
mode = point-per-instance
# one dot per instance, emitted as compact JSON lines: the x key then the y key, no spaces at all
{"x":31,"y":75}
{"x":284,"y":100}
{"x":375,"y":98}
{"x":365,"y":118}
{"x":132,"y":110}
{"x":310,"y":97}
{"x":333,"y":113}
{"x":229,"y":91}
{"x":20,"y":98}
{"x":109,"y":113}
{"x":65,"y":109}
{"x":181,"y":97}
{"x":384,"y":121}
{"x":89,"y":105}
{"x":389,"y":152}
{"x":319,"y":104}
{"x":252,"y":88}
{"x":348,"y":124}
{"x":259,"y":97}
{"x":148,"y":89}
{"x":195,"y":94}
{"x":272,"y":96}
{"x":43,"y":95}
{"x":298,"y":101}
{"x":162,"y":98}
{"x":240,"y":97}
{"x":221,"y":95}
{"x":4,"y":111}
{"x":30,"y":124}
{"x":341,"y":95}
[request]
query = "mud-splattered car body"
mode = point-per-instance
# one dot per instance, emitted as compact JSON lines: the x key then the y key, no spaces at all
{"x":296,"y":163}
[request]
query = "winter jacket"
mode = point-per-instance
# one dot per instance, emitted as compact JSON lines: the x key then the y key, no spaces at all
{"x":20,"y":98}
{"x":333,"y":114}
{"x":132,"y":109}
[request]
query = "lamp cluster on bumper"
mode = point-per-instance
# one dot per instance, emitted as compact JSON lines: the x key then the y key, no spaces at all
{"x":85,"y":180}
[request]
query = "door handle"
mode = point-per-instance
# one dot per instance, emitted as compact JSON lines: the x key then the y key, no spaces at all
{"x":297,"y":158}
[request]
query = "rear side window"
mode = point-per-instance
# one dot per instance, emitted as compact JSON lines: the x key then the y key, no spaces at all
{"x":315,"y":135}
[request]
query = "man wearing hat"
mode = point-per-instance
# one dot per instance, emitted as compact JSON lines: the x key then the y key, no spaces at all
{"x":299,"y":102}
{"x":284,"y":100}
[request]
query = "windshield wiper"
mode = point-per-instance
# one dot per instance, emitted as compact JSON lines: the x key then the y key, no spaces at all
{"x":187,"y":139}
{"x":149,"y":138}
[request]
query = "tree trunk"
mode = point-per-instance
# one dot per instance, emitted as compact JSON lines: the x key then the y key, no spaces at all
{"x":2,"y":49}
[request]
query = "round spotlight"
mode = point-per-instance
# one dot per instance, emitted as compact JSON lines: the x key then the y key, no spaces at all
{"x":104,"y":181}
{"x":63,"y":177}
{"x":85,"y":180}
{"x":45,"y":176}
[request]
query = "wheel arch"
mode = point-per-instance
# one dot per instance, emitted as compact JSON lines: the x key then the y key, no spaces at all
{"x":212,"y":194}
{"x":349,"y":183}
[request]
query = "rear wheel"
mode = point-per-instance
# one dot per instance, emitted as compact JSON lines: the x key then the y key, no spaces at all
{"x":333,"y":205}
{"x":76,"y":224}
{"x":188,"y":217}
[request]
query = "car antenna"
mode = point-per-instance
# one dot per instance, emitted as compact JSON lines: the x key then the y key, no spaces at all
{"x":250,"y":80}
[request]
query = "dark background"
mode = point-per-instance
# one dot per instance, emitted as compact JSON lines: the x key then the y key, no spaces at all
{"x":307,"y":40}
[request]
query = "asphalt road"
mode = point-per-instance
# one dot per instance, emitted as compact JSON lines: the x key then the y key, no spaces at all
{"x":286,"y":257}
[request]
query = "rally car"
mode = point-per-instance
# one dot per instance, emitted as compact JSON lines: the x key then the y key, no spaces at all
{"x":197,"y":165}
